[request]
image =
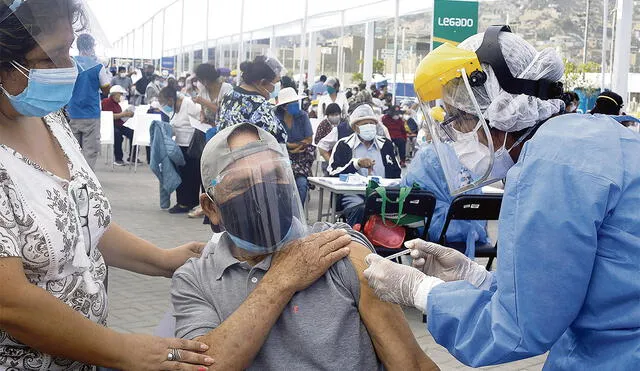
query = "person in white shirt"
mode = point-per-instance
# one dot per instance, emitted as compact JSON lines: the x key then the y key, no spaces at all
{"x":181,"y":110}
{"x":334,"y":95}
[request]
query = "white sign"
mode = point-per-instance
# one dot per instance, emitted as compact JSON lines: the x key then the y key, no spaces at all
{"x":325,"y":50}
{"x":388,"y":53}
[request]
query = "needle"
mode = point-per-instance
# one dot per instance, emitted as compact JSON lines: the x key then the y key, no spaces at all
{"x":397,"y":255}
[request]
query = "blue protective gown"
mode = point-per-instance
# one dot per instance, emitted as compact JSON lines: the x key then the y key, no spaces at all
{"x":568,"y":277}
{"x":426,"y":171}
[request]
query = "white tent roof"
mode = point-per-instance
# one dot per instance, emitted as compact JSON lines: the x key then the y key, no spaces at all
{"x":262,"y":19}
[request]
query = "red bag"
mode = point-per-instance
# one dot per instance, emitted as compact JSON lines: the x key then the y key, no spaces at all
{"x":384,"y":233}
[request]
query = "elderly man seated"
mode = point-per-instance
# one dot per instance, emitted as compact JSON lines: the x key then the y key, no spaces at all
{"x":363,"y":152}
{"x":273,"y":293}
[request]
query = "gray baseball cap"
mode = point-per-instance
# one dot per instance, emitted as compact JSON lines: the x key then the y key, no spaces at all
{"x":217,"y":154}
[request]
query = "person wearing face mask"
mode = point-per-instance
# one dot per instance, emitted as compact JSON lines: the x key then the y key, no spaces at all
{"x":250,"y":101}
{"x":181,"y":111}
{"x":211,"y":90}
{"x":334,"y":95}
{"x":142,"y":84}
{"x":567,"y":279}
{"x":123,"y":80}
{"x":300,"y":136}
{"x":571,"y":102}
{"x":84,"y":105}
{"x":333,"y":128}
{"x":112,"y":104}
{"x":394,"y":122}
{"x":254,"y":295}
{"x":58,"y":235}
{"x":363,"y":152}
{"x":153,"y":89}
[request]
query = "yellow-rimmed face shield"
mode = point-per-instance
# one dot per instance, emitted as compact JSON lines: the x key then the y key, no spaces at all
{"x":461,"y":137}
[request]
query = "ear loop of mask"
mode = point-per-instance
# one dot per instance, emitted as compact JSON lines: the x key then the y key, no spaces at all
{"x":20,"y":68}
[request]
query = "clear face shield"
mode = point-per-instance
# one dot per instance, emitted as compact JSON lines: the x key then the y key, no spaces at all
{"x":461,"y":137}
{"x":259,"y":203}
{"x":51,"y":23}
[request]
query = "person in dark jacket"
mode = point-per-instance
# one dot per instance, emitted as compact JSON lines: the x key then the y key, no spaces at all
{"x":363,"y":152}
{"x":395,"y":124}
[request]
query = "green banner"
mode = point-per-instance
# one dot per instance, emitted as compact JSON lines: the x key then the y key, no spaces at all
{"x":453,"y":21}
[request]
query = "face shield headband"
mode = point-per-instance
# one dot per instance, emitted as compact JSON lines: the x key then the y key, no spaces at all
{"x":490,"y":53}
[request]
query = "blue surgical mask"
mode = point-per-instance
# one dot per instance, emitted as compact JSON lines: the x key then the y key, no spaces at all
{"x":168,"y":110}
{"x":47,"y":91}
{"x":276,"y":91}
{"x":293,"y":108}
{"x":331,"y":90}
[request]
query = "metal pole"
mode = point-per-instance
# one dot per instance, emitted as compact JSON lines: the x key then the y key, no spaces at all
{"x":341,"y":45}
{"x":603,"y":69}
{"x":153,"y":25}
{"x":586,"y":34}
{"x":303,"y":44}
{"x":395,"y":50}
{"x":134,"y":47}
{"x":142,"y":54}
{"x":613,"y":43}
{"x":240,"y":42}
{"x":205,"y":50}
{"x":623,"y":48}
{"x":181,"y":57}
{"x":164,"y":20}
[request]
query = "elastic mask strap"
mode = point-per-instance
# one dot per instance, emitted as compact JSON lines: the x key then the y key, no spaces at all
{"x":22,"y":69}
{"x":521,"y":139}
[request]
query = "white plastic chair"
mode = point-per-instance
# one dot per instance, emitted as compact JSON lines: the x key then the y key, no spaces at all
{"x":106,"y":132}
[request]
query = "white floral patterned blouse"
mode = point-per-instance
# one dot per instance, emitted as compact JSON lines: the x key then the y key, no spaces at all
{"x":54,"y":226}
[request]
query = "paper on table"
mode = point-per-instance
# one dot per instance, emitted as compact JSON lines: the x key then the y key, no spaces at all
{"x":199,"y":125}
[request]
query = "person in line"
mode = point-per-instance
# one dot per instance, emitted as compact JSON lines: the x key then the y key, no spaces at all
{"x":249,"y":102}
{"x":363,"y":96}
{"x":608,"y":103}
{"x":153,"y":89}
{"x":571,"y":102}
{"x":123,"y":80}
{"x":116,"y":95}
{"x":567,"y":280}
{"x":394,"y":122}
{"x":334,"y":95}
{"x":181,"y":110}
{"x":58,"y":235}
{"x":363,"y":152}
{"x":274,"y":292}
{"x":142,"y":83}
{"x":301,"y":150}
{"x":319,"y":89}
{"x":333,"y":128}
{"x":211,"y":90}
{"x":84,"y":106}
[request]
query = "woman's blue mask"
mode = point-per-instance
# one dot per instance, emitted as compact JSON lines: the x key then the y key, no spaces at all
{"x":47,"y":91}
{"x":331,"y":90}
{"x":293,"y":108}
{"x":168,"y":110}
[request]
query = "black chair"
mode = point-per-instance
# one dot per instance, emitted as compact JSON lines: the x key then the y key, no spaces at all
{"x":473,"y":207}
{"x":418,"y":202}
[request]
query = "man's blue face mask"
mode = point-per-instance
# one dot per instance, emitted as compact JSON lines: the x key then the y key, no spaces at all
{"x":293,"y":108}
{"x":47,"y":91}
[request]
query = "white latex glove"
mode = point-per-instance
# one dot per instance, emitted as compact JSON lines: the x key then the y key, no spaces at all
{"x":445,"y":263}
{"x":397,"y":283}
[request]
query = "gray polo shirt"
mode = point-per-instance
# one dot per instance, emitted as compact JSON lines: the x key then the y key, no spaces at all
{"x":320,"y":328}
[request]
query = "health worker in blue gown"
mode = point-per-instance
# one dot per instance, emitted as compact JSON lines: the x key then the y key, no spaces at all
{"x":568,"y":275}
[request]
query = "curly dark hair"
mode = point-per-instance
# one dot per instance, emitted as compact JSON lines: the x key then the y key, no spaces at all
{"x":20,"y":29}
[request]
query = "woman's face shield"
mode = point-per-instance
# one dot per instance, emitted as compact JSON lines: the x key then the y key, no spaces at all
{"x":460,"y":134}
{"x":52,"y":25}
{"x":259,"y":202}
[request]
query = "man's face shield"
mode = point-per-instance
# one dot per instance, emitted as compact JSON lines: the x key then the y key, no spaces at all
{"x":259,"y":203}
{"x":51,"y":24}
{"x":461,"y":137}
